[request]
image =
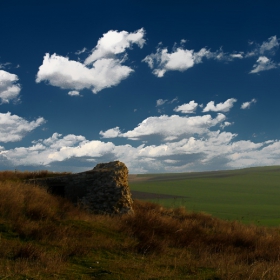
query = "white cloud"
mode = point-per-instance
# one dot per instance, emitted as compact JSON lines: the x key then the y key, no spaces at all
{"x":168,"y":127}
{"x":86,"y":149}
{"x":160,"y":102}
{"x":81,"y":51}
{"x":207,"y":145}
{"x":187,"y":108}
{"x":225,"y":124}
{"x":215,"y":150}
{"x":174,"y":100}
{"x":55,"y":141}
{"x":266,"y":153}
{"x":102,"y":69}
{"x":14,"y":128}
{"x":263,"y":51}
{"x":246,"y":105}
{"x":201,"y":54}
{"x":220,"y":107}
{"x":69,"y":74}
{"x":114,"y":42}
{"x":4,"y":65}
{"x":171,"y":161}
{"x":237,"y":55}
{"x":179,"y":60}
{"x":263,"y":64}
{"x":270,"y":45}
{"x":9,"y":88}
{"x":56,"y":148}
{"x":111,"y":133}
{"x":74,"y":93}
{"x":220,"y":55}
{"x":201,"y":147}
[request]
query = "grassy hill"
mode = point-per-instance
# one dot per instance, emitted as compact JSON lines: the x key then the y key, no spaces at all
{"x":250,"y":195}
{"x":46,"y":237}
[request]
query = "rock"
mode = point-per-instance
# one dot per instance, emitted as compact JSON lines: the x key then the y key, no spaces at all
{"x":102,"y":190}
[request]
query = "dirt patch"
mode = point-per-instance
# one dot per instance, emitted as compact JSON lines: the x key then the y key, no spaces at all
{"x":146,"y":195}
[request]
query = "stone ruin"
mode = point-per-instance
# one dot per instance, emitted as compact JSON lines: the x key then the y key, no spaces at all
{"x":102,"y":190}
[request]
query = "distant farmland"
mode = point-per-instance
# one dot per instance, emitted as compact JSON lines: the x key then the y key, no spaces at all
{"x":250,"y":195}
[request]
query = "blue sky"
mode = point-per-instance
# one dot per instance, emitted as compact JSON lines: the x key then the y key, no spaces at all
{"x":164,"y":86}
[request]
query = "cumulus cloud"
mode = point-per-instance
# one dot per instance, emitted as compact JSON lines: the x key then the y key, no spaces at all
{"x":9,"y":88}
{"x":187,"y":144}
{"x":167,"y":127}
{"x":101,"y":69}
{"x":266,"y":153}
{"x":69,"y":74}
{"x":114,"y":42}
{"x":74,"y":93}
{"x":55,"y":141}
{"x":56,"y":148}
{"x":263,"y":64}
{"x":215,"y":150}
{"x":220,"y":107}
{"x":246,"y":105}
{"x":187,"y":108}
{"x":111,"y":133}
{"x":180,"y":60}
{"x":13,"y":128}
{"x":86,"y":149}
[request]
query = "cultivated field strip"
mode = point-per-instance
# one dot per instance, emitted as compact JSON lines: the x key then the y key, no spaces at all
{"x":250,"y":195}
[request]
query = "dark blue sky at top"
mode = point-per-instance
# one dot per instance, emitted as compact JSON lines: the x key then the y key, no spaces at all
{"x":30,"y":29}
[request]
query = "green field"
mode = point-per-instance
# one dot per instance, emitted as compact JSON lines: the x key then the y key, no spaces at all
{"x":251,"y":195}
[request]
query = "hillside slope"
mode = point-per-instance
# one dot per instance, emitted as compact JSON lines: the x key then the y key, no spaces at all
{"x":46,"y":237}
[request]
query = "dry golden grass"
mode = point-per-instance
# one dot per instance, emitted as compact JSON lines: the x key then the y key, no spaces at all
{"x":26,"y":175}
{"x":46,"y":237}
{"x":235,"y":250}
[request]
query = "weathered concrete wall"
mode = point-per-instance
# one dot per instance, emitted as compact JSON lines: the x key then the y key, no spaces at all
{"x":104,"y":189}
